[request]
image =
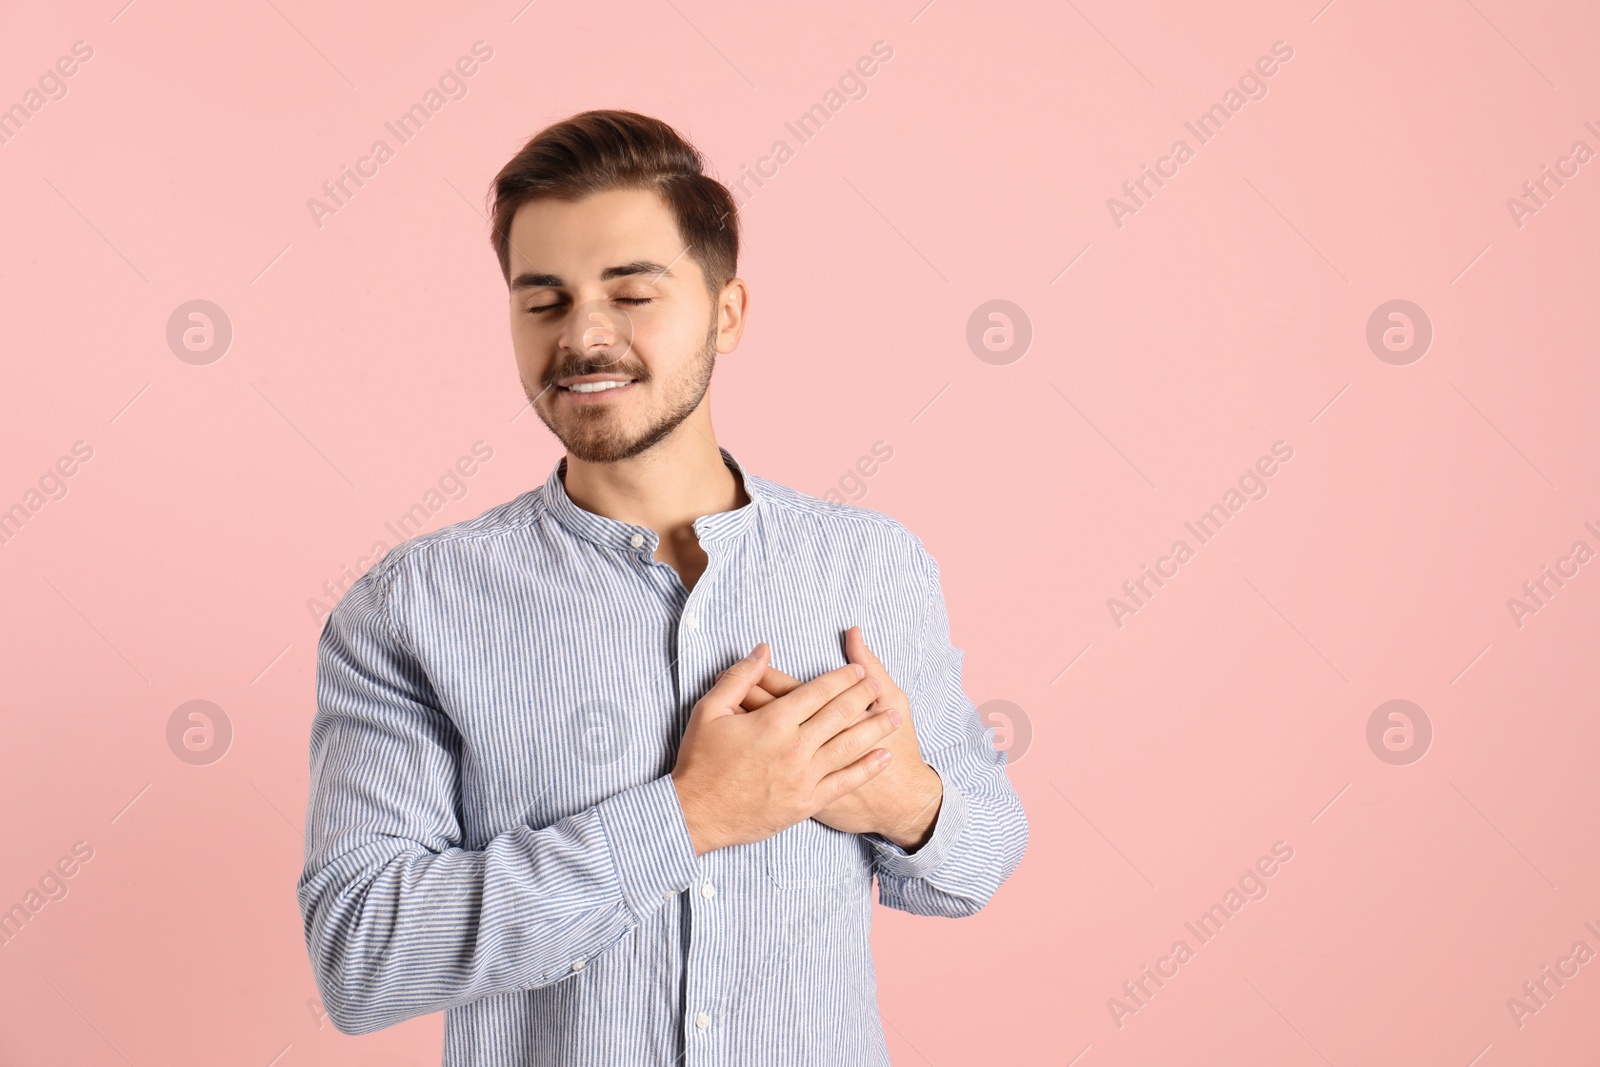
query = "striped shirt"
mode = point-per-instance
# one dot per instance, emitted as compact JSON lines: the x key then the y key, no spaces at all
{"x":492,"y":829}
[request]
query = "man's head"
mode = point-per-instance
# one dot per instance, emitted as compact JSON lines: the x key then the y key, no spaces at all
{"x":620,"y":257}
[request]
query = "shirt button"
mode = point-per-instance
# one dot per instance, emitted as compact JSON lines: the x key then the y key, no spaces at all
{"x":702,"y":1020}
{"x":669,"y":894}
{"x":708,"y":890}
{"x":637,"y":540}
{"x":577,"y":965}
{"x":690,"y":621}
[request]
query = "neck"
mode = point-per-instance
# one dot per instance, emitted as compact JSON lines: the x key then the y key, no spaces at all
{"x":666,"y":487}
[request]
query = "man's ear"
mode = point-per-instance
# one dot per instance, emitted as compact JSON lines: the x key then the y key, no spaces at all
{"x":732,"y":311}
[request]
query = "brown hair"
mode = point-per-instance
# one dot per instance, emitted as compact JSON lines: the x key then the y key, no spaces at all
{"x":598,"y":151}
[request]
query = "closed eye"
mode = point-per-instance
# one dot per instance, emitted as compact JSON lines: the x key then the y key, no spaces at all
{"x":633,"y":300}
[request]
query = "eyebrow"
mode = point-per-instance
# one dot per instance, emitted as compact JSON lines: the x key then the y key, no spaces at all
{"x":535,"y":280}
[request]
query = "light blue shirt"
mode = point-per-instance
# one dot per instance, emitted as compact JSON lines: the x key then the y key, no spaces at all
{"x":493,"y":831}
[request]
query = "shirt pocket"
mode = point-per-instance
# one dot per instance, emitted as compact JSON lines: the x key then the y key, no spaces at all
{"x":809,"y":855}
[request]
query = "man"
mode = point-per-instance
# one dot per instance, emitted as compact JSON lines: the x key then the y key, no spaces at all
{"x":560,"y":789}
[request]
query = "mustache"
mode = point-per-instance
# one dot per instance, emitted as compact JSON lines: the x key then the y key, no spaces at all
{"x":580,"y":368}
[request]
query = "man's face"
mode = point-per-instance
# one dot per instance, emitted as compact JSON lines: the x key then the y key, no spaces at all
{"x":614,"y":331}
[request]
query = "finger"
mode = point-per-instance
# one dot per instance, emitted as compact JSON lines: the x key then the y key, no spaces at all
{"x":778,"y":683}
{"x":774,"y":683}
{"x":757,"y":698}
{"x":840,"y":713}
{"x":855,"y":646}
{"x":735,"y":683}
{"x":849,"y":779}
{"x":804,"y":702}
{"x":857,"y":651}
{"x":848,"y":745}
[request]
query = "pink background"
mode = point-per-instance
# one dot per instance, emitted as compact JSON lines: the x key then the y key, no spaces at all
{"x":1167,"y":355}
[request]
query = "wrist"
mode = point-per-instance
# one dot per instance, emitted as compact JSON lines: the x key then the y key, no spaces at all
{"x":914,"y":830}
{"x":694,"y":820}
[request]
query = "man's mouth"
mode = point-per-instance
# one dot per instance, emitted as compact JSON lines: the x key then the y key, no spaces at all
{"x":595,"y":387}
{"x":592,"y":383}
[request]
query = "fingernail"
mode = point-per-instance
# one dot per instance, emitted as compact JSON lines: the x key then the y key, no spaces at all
{"x":877,"y":687}
{"x":894,"y":717}
{"x":861,"y":672}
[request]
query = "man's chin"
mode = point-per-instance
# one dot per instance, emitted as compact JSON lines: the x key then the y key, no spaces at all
{"x":603,"y":444}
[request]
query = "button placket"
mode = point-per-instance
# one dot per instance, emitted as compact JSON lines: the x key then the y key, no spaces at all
{"x":696,"y":652}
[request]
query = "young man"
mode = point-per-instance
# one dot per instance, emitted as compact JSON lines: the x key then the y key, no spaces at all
{"x":554,"y":791}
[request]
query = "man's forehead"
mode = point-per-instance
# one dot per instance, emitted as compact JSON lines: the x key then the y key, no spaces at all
{"x":599,"y":231}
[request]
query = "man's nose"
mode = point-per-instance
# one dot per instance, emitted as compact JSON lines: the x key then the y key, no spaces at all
{"x":596,"y":330}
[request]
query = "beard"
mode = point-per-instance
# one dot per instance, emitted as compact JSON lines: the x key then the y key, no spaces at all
{"x":596,"y":434}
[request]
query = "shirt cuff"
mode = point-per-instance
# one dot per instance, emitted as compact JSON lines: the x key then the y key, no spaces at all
{"x":892,"y":860}
{"x":650,"y":843}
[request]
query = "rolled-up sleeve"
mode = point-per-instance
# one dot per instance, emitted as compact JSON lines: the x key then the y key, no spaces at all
{"x":980,"y":833}
{"x":400,"y":920}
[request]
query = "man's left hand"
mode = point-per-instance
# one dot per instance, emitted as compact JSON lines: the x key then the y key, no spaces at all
{"x":902,"y":803}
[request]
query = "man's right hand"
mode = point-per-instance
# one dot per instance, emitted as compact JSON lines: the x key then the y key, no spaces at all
{"x":744,"y":776}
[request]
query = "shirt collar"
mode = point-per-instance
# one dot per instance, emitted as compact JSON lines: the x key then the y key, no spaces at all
{"x":631,"y":537}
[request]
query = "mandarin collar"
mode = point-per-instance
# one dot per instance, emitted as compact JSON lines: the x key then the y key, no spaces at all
{"x":632,"y":537}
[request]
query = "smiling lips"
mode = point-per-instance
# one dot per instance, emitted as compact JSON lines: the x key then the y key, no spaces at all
{"x":591,"y":384}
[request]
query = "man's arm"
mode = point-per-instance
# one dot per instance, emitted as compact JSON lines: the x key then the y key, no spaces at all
{"x":980,"y":832}
{"x":400,"y":920}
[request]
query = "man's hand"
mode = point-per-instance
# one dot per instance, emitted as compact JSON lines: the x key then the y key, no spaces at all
{"x":901,"y":804}
{"x":744,"y":777}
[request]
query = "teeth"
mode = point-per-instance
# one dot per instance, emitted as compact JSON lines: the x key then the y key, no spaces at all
{"x":595,"y":387}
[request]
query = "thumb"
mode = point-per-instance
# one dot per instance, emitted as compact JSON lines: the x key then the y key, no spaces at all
{"x":735,"y":683}
{"x":856,"y":650}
